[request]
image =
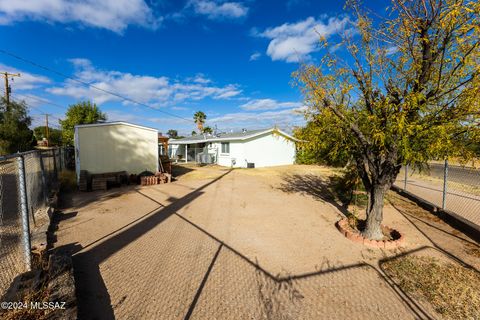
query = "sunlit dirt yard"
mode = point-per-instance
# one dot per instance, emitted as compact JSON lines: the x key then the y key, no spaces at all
{"x":244,"y":244}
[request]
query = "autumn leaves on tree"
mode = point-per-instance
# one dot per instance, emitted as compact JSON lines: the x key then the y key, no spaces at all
{"x":407,"y":93}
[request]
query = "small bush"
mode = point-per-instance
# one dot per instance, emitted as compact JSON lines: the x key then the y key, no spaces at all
{"x":68,"y":181}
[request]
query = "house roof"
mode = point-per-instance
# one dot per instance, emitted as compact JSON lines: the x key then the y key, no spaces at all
{"x":234,"y":136}
{"x":101,"y":124}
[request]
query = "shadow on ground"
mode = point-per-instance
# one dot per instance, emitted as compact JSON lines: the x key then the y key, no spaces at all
{"x":448,"y":295}
{"x":321,"y":188}
{"x":429,"y":230}
{"x":194,"y":275}
{"x":179,"y":170}
{"x":87,"y":262}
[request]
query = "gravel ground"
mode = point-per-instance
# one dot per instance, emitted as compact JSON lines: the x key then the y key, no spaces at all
{"x":240,"y":244}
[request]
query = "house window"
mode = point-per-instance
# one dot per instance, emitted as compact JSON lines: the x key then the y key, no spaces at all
{"x":225,"y":147}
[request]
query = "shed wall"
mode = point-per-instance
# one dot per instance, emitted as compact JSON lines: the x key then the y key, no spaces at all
{"x":119,"y":147}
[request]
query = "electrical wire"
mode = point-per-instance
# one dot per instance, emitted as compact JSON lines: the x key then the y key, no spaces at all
{"x":34,"y":107}
{"x":35,"y":64}
{"x":41,"y":100}
{"x":75,"y":79}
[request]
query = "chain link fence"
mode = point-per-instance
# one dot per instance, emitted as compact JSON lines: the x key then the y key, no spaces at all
{"x":452,"y":188}
{"x":26,"y":181}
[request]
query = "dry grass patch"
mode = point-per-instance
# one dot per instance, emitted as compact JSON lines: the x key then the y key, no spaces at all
{"x":452,"y":290}
{"x":409,"y":206}
{"x":26,"y":312}
{"x":296,"y":169}
{"x":472,"y":250}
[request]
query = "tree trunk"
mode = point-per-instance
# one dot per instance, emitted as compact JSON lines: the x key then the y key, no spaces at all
{"x":373,"y":228}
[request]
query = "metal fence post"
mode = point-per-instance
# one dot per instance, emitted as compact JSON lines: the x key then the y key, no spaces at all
{"x":22,"y":190}
{"x":60,"y":158}
{"x":406,"y":177}
{"x":445,"y":180}
{"x":44,"y":179}
{"x":55,"y":173}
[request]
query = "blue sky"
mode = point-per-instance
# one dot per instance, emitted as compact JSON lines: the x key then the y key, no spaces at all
{"x":232,"y":60}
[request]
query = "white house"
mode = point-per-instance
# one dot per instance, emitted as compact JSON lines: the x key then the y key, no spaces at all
{"x":115,"y":146}
{"x":255,"y":148}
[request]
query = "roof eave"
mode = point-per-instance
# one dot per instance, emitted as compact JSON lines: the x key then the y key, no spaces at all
{"x":236,"y":138}
{"x":114,"y":123}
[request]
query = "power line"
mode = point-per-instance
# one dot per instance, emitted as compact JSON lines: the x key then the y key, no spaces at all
{"x":43,"y":112}
{"x":75,"y":79}
{"x":41,"y":116}
{"x":89,"y":85}
{"x":41,"y":100}
{"x":35,"y":107}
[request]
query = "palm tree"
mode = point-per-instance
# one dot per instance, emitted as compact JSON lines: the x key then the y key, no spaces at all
{"x":199,"y":117}
{"x":172,"y":133}
{"x":207,"y":130}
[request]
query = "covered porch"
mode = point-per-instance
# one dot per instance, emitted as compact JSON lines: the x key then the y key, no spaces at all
{"x":193,"y":152}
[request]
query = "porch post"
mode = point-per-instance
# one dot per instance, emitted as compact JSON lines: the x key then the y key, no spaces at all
{"x":186,"y":153}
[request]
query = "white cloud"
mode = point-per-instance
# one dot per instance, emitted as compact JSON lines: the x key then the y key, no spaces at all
{"x":154,"y":120}
{"x":293,"y":42}
{"x":200,"y":78}
{"x":26,"y":81}
{"x":285,"y":119}
{"x":159,"y":121}
{"x":268,"y":104}
{"x":195,"y":91}
{"x":155,"y":91}
{"x":180,"y":108}
{"x":215,"y":10}
{"x":31,"y":100}
{"x":391,"y":50}
{"x":257,"y":120}
{"x":255,"y":56}
{"x":114,"y":15}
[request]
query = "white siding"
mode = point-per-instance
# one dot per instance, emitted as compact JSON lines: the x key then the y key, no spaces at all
{"x":270,"y":150}
{"x":237,"y":153}
{"x":116,"y":147}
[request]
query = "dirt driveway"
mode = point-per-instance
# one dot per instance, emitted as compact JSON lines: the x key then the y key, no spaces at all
{"x":230,"y":244}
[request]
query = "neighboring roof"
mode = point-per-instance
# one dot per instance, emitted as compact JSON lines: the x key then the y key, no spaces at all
{"x":113,"y":123}
{"x":234,"y":136}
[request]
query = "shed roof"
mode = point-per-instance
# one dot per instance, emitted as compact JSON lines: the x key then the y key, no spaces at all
{"x":112,"y":123}
{"x":233,"y":136}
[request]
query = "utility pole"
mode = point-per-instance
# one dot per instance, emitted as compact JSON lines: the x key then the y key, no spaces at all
{"x":46,"y":129}
{"x":7,"y":87}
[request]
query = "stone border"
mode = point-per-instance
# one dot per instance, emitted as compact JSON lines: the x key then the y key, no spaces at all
{"x":344,"y":227}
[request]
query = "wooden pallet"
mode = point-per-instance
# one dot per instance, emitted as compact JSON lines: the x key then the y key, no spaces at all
{"x":83,"y":181}
{"x":99,"y":183}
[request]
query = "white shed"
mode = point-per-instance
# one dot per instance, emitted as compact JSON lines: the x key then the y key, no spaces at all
{"x":259,"y":148}
{"x":115,"y":146}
